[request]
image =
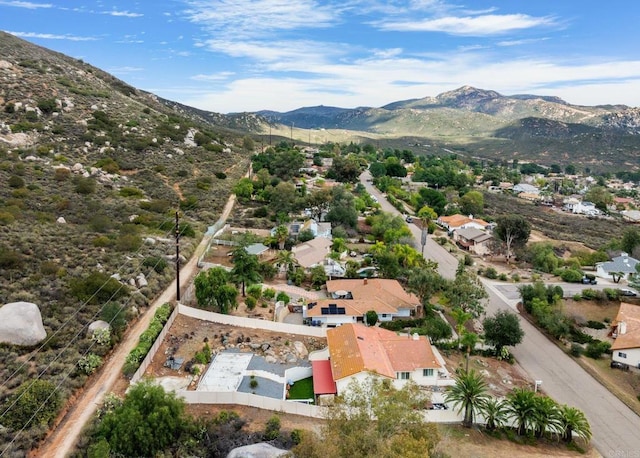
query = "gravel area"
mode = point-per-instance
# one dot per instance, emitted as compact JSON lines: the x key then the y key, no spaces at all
{"x":266,"y":387}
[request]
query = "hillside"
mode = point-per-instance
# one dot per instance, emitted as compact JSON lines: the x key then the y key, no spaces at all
{"x":482,"y":123}
{"x":92,"y":172}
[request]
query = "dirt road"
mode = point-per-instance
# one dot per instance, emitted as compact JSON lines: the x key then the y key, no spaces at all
{"x":61,"y":441}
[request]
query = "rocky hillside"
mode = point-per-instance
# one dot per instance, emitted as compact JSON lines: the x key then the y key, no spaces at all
{"x":92,"y":172}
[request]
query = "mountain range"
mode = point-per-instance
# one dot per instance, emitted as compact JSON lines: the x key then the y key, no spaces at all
{"x":468,"y":121}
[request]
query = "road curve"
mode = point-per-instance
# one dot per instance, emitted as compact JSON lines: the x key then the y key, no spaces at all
{"x":615,"y":427}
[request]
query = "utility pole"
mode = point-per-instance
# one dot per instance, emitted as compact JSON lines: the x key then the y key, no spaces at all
{"x":177,"y":258}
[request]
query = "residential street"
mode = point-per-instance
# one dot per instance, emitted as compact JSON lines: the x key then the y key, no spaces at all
{"x":615,"y":427}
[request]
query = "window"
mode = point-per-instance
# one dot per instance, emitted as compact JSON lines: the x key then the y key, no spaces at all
{"x":403,"y":375}
{"x":384,"y":315}
{"x":427,"y":372}
{"x":622,"y":355}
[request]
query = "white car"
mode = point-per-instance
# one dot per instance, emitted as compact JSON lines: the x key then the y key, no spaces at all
{"x":628,"y":292}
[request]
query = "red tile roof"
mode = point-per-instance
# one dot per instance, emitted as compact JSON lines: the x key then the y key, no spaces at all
{"x":354,"y":348}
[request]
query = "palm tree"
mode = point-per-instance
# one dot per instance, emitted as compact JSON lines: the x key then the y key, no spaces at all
{"x":495,"y":413}
{"x":546,"y":418}
{"x":285,"y":259}
{"x":460,"y":316}
{"x":573,"y":421}
{"x":468,"y":394}
{"x":469,"y":341}
{"x":281,"y":234}
{"x":521,"y":407}
{"x":245,"y":267}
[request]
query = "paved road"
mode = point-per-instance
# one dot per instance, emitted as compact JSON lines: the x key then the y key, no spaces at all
{"x":615,"y":427}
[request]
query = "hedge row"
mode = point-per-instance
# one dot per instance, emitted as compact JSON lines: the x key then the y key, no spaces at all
{"x":147,"y":338}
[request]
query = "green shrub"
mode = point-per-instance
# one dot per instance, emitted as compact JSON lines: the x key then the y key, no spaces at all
{"x":272,"y":428}
{"x":15,"y":182}
{"x":204,"y":355}
{"x":88,"y":364}
{"x":503,"y":277}
{"x":253,"y":383}
{"x":589,"y":294}
{"x":250,"y":302}
{"x":157,"y":263}
{"x":596,"y":348}
{"x":577,"y":297}
{"x":255,"y":291}
{"x":135,"y":356}
{"x":576,"y":350}
{"x":491,"y":273}
{"x":269,"y":293}
{"x":130,"y":191}
{"x":571,"y":275}
{"x":595,"y":324}
{"x":281,"y":297}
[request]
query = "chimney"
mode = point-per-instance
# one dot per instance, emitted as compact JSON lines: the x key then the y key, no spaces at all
{"x":622,"y":328}
{"x":365,"y":281}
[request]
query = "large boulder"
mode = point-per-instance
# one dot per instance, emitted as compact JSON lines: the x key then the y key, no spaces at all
{"x":259,"y":450}
{"x":96,"y":326}
{"x":21,"y":324}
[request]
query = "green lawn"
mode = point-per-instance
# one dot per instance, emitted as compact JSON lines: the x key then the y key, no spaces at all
{"x":302,"y":389}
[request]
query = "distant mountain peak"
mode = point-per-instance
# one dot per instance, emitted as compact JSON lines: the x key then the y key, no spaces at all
{"x":467,"y":94}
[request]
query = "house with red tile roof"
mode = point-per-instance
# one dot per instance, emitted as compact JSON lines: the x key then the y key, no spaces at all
{"x":351,"y":299}
{"x":455,"y":222}
{"x":357,"y":351}
{"x":626,"y":334}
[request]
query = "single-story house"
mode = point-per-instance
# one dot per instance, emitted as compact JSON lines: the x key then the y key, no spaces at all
{"x":624,"y":265}
{"x":626,"y":334}
{"x":352,"y":299}
{"x":312,"y":252}
{"x":357,"y":351}
{"x":388,"y":290}
{"x":456,"y":222}
{"x":473,"y":240}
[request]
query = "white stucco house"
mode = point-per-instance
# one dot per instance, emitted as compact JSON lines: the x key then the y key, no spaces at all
{"x":626,"y":334}
{"x":352,"y":299}
{"x":357,"y":352}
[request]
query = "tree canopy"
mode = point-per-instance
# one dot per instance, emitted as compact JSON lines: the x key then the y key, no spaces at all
{"x":502,"y":329}
{"x":214,"y":290}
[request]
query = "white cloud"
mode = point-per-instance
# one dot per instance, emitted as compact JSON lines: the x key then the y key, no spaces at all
{"x":489,"y":24}
{"x":125,"y":70}
{"x":254,"y":18}
{"x":27,"y":5}
{"x":122,"y":14}
{"x":521,"y":42}
{"x":221,"y":76}
{"x":51,"y":36}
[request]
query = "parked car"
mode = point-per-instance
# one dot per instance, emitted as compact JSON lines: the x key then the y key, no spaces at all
{"x":589,"y":281}
{"x":619,"y":365}
{"x":628,"y":292}
{"x":409,"y":219}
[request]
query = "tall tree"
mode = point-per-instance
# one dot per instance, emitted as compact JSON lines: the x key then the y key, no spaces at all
{"x":147,"y":423}
{"x":285,"y":259}
{"x":213,"y":290}
{"x":513,"y":230}
{"x":469,"y":394}
{"x":281,"y":234}
{"x":317,"y":202}
{"x":245,"y":267}
{"x":472,"y":203}
{"x":425,"y":281}
{"x":502,"y":329}
{"x":467,"y":293}
{"x":375,"y":419}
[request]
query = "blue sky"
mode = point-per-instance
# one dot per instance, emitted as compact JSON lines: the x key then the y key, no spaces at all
{"x":247,"y":55}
